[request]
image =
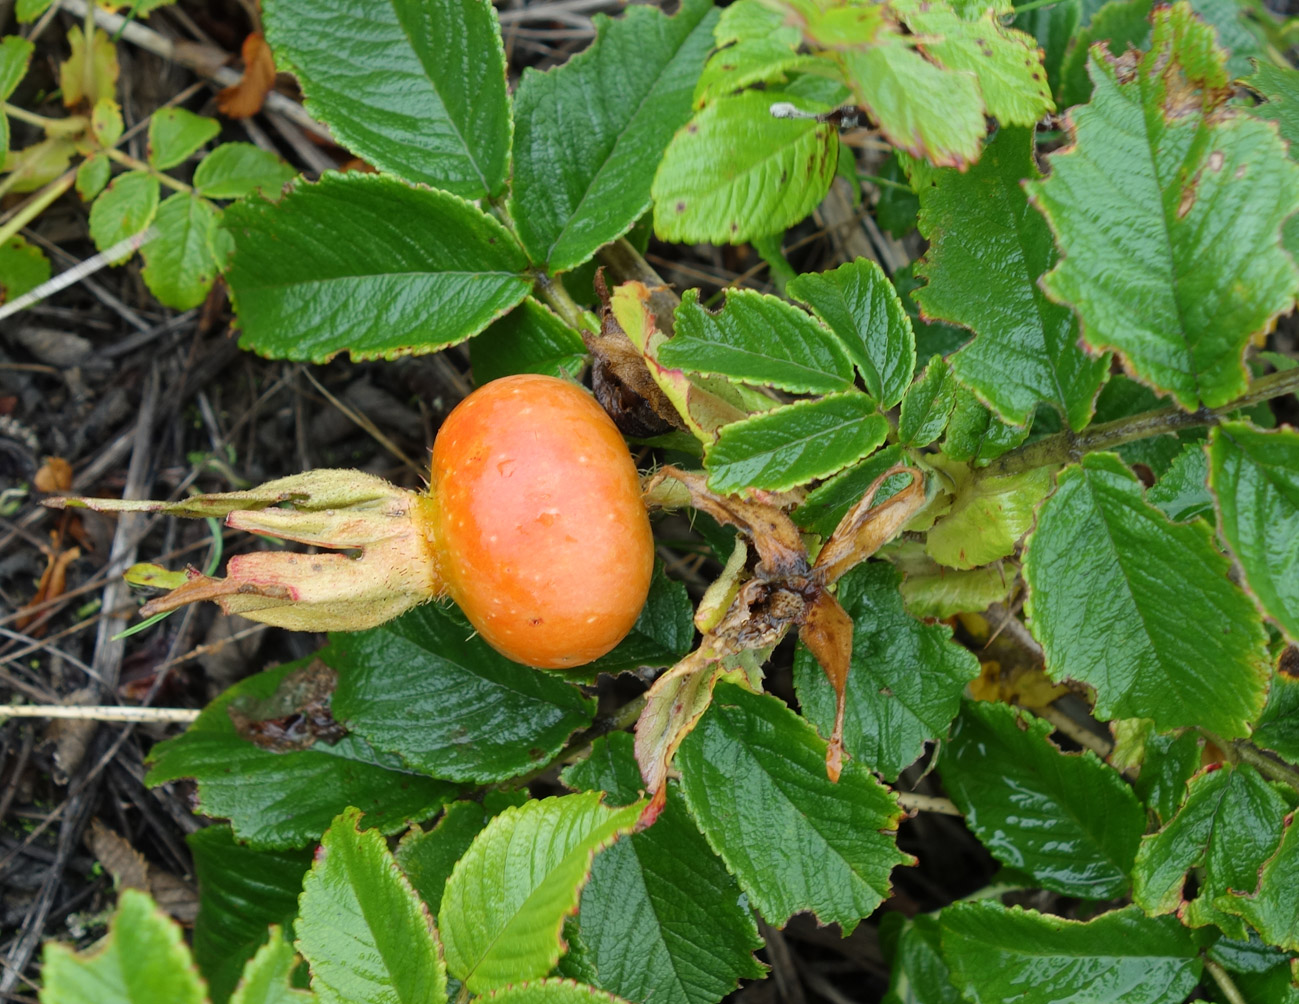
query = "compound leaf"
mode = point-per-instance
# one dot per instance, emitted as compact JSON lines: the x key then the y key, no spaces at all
{"x":861,"y":306}
{"x":1139,"y":608}
{"x":365,"y":264}
{"x":393,"y":88}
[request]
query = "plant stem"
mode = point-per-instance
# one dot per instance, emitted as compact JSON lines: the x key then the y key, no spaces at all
{"x":926,"y":803}
{"x":1063,"y":447}
{"x":55,"y":127}
{"x":1034,"y":5}
{"x":1225,"y":983}
{"x":37,"y":204}
{"x":552,"y":291}
{"x":126,"y":160}
{"x":1246,"y":752}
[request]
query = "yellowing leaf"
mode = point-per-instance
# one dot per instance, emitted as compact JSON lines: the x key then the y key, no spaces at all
{"x":90,"y":72}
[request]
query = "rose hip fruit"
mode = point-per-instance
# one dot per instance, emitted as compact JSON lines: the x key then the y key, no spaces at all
{"x":541,"y":535}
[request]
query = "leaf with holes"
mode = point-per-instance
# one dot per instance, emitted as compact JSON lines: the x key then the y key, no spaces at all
{"x":1183,"y":265}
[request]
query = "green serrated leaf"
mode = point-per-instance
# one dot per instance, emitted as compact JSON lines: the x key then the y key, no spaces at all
{"x":361,"y":927}
{"x":988,"y":515}
{"x":861,"y":306}
{"x":241,"y":892}
{"x":1169,"y":761}
{"x":92,"y":175}
{"x":250,"y":786}
{"x":1180,"y":644}
{"x":1022,"y":798}
{"x":922,"y":107}
{"x":506,"y":900}
{"x":794,"y":444}
{"x":415,"y":87}
{"x":1119,"y":24}
{"x":424,"y":687}
{"x":998,"y":954}
{"x":1277,"y":727}
{"x":1228,"y":826}
{"x":906,"y":680}
{"x":752,"y":43}
{"x":920,"y":976}
{"x":1270,"y":905}
{"x":551,"y":992}
{"x":1007,"y":63}
{"x":1279,"y":85}
{"x":188,"y":253}
{"x":234,"y":170}
{"x":1054,"y":26}
{"x":142,"y":961}
{"x":661,"y":918}
{"x":828,"y":503}
{"x":935,"y":591}
{"x":1185,"y":266}
{"x":975,"y":434}
{"x":988,"y":248}
{"x":175,"y":134}
{"x":15,"y":54}
{"x":428,"y":856}
{"x":1182,"y":492}
{"x":1255,"y":483}
{"x":776,"y":170}
{"x":753,"y":775}
{"x":29,"y":10}
{"x":529,"y":339}
{"x":123,"y":209}
{"x":106,"y":123}
{"x":365,"y":264}
{"x":756,"y":339}
{"x":927,"y":405}
{"x":23,"y":267}
{"x":589,"y":134}
{"x":609,"y":766}
{"x":266,"y":977}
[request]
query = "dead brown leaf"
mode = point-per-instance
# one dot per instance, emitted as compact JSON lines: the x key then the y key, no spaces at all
{"x":245,"y":99}
{"x":55,"y":475}
{"x":130,"y":870}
